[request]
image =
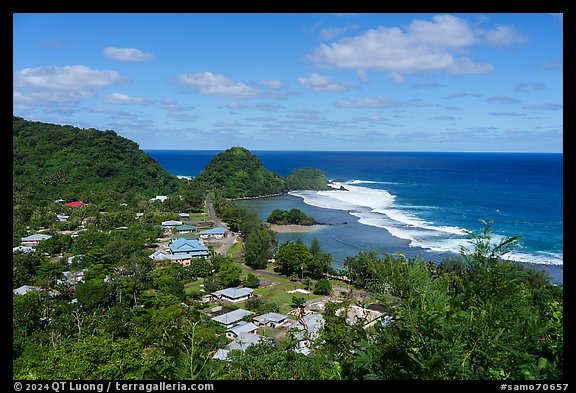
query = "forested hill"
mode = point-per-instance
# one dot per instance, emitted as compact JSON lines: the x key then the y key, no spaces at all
{"x":52,"y":161}
{"x":238,"y":173}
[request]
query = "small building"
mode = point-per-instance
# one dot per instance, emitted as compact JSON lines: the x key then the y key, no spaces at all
{"x":75,"y":204}
{"x":271,"y":319}
{"x":22,"y":249}
{"x":229,"y":319}
{"x":72,"y":278}
{"x":184,"y":215}
{"x":24,"y":289}
{"x":159,"y":255}
{"x":35,"y":239}
{"x":170,"y":224}
{"x":307,"y":329}
{"x":189,"y":246}
{"x":214,"y":233}
{"x":242,"y":342}
{"x":62,"y":217}
{"x":242,"y":327}
{"x":233,"y":295}
{"x":185,"y":228}
{"x":160,"y":198}
{"x":138,"y":215}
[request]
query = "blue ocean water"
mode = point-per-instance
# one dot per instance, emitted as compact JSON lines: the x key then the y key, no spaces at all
{"x":417,"y":203}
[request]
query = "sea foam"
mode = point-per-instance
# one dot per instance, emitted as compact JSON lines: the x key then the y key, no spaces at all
{"x":378,"y":208}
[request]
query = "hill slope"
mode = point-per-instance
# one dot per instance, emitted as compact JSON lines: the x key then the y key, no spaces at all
{"x":52,"y":161}
{"x":238,"y":173}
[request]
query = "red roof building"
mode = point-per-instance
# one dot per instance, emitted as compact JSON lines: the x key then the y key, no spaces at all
{"x":77,"y":203}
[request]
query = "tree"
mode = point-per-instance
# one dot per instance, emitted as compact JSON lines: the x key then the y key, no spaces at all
{"x":315,"y":247}
{"x":323,"y":287}
{"x":251,"y":281}
{"x":210,"y":284}
{"x":293,"y":258}
{"x":92,"y":293}
{"x":229,"y":275}
{"x":259,"y":248}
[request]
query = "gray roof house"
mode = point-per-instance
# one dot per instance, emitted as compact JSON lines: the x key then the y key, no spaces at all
{"x":272,"y":319}
{"x":242,"y":327}
{"x":242,"y":342}
{"x":230,"y":318}
{"x":22,"y":249}
{"x":24,"y":289}
{"x":233,"y":294}
{"x":35,"y":239}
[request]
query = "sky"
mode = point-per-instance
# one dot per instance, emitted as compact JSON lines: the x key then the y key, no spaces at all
{"x":299,"y":81}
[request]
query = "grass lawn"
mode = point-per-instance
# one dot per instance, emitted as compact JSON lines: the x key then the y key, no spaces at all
{"x":235,"y":249}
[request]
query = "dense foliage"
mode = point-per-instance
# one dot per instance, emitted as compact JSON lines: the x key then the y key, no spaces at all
{"x":306,"y":179}
{"x":52,"y":161}
{"x":294,"y":216}
{"x":237,"y":173}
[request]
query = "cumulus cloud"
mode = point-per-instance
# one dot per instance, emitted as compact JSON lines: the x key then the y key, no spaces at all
{"x":64,"y":86}
{"x":127,"y":54}
{"x":424,"y":45}
{"x":216,"y":85}
{"x":272,"y":84}
{"x":124,"y":99}
{"x":444,"y":118}
{"x":318,"y":82}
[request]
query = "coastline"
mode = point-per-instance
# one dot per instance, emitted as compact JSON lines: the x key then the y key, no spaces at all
{"x":256,"y":197}
{"x":293,"y":228}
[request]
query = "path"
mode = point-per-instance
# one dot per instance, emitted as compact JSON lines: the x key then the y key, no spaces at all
{"x":231,"y":238}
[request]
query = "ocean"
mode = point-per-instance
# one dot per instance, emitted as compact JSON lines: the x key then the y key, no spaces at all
{"x":415,"y":203}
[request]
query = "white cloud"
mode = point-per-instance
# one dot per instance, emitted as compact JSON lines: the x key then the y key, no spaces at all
{"x":127,"y":54}
{"x":124,"y":99}
{"x":216,"y":85}
{"x":380,"y":102}
{"x":424,"y":45}
{"x":64,"y":86}
{"x":503,"y":100}
{"x":272,"y":84}
{"x":544,"y":107}
{"x":318,"y":82}
{"x":396,"y":78}
{"x":363,"y":76}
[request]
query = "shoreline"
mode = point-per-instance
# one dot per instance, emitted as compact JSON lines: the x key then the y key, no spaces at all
{"x":293,"y":228}
{"x":256,"y":197}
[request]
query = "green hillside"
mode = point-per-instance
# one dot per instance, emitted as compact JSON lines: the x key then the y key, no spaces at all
{"x":238,"y":173}
{"x":306,"y":179}
{"x":52,"y":161}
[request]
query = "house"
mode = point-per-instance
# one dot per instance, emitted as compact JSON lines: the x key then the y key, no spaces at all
{"x":138,"y":215}
{"x":184,"y":228}
{"x":184,"y":215}
{"x":34,"y":240}
{"x":230,"y":318}
{"x":160,"y":198}
{"x":214,"y":233}
{"x":72,"y":278}
{"x":271,"y":319}
{"x":24,"y":289}
{"x":170,"y":224}
{"x":75,"y":204}
{"x":159,"y":255}
{"x":189,"y":246}
{"x":62,"y":217}
{"x":307,"y":329}
{"x":242,"y":327}
{"x":22,"y":249}
{"x":242,"y":342}
{"x":234,"y":295}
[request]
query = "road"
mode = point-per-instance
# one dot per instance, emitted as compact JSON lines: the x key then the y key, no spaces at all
{"x":230,"y":239}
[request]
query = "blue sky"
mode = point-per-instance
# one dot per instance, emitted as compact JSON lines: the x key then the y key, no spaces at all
{"x":310,"y":81}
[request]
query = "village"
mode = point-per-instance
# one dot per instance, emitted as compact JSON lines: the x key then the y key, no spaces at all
{"x":188,"y":238}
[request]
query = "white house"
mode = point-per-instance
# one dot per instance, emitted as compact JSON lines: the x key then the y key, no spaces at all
{"x":214,"y":233}
{"x":271,"y":319}
{"x":24,"y":289}
{"x":184,"y":215}
{"x":22,"y":249}
{"x":170,"y":223}
{"x":242,"y":327}
{"x":34,"y":240}
{"x":230,"y":318}
{"x":160,"y":198}
{"x":62,"y":217}
{"x":242,"y":342}
{"x":233,"y":295}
